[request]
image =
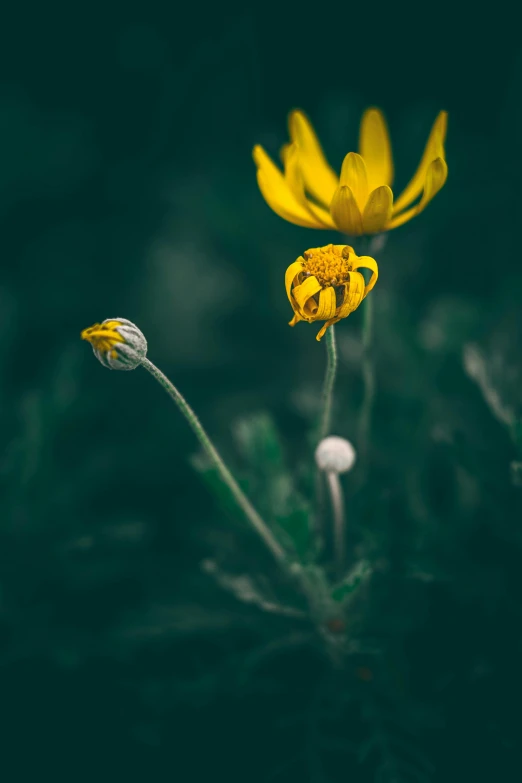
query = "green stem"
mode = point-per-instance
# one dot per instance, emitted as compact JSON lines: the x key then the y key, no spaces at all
{"x":339,"y":518}
{"x":325,"y":424}
{"x":243,"y":502}
{"x":368,"y":369}
{"x":329,"y":382}
{"x":367,"y":330}
{"x":368,"y":373}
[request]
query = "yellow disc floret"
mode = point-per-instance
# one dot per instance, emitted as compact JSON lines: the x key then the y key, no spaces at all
{"x":330,"y":265}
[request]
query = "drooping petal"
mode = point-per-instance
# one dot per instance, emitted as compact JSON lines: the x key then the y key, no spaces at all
{"x":290,"y":275}
{"x":277,"y":193}
{"x":345,"y":212}
{"x":436,"y":176}
{"x":327,"y":304}
{"x":375,"y":147}
{"x":353,"y":174}
{"x":434,"y":149}
{"x":366,"y":262}
{"x":294,"y":177}
{"x":378,"y":210}
{"x":303,"y":292}
{"x":354,"y":292}
{"x":295,"y":320}
{"x":320,"y":179}
{"x":322,"y":331}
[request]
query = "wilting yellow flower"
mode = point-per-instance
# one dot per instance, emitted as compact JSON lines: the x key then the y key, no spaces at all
{"x":323,"y":284}
{"x":310,"y":194}
{"x":117,"y":343}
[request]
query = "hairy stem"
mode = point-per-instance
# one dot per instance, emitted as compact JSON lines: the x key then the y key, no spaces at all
{"x":339,"y":518}
{"x":329,"y":383}
{"x":243,"y":502}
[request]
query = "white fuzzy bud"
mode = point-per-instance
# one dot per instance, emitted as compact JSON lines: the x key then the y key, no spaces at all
{"x":117,"y":343}
{"x":335,"y":455}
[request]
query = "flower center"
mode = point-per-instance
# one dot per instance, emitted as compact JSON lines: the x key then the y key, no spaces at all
{"x":103,"y":337}
{"x":331,"y":265}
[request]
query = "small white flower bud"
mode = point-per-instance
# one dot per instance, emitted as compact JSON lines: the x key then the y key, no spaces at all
{"x":117,"y":343}
{"x":335,"y":455}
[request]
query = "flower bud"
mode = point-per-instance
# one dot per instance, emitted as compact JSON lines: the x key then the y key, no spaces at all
{"x":117,"y":343}
{"x":335,"y":455}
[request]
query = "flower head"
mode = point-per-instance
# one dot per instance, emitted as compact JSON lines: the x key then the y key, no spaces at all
{"x":360,"y":201}
{"x":117,"y":343}
{"x":324,"y":284}
{"x":334,"y":454}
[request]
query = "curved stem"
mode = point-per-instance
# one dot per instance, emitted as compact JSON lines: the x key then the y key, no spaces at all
{"x":337,"y":498}
{"x":329,"y":382}
{"x":243,"y":502}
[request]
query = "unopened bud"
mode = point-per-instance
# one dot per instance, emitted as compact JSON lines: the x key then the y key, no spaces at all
{"x":335,"y":455}
{"x":117,"y":343}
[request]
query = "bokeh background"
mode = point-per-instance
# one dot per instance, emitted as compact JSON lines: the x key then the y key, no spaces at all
{"x":127,"y":189}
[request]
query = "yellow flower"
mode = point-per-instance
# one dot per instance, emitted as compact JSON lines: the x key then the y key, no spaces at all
{"x":310,"y":194}
{"x":117,"y":343}
{"x":323,"y":284}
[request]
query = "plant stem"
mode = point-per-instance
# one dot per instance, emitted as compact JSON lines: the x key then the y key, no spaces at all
{"x":368,"y":369}
{"x":367,"y":330}
{"x":336,"y":496}
{"x":329,"y":382}
{"x":243,"y":502}
{"x":368,"y":373}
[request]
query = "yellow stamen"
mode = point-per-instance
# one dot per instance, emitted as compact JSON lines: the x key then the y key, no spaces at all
{"x":330,"y":265}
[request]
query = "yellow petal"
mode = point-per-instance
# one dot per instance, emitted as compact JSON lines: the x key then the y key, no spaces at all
{"x":436,"y":176}
{"x":302,"y":293}
{"x":366,"y":262}
{"x":327,"y":304}
{"x":283,"y":152}
{"x":322,"y":330}
{"x":277,"y":193}
{"x":434,"y":149}
{"x":295,"y":180}
{"x":345,"y":212}
{"x":354,"y":292}
{"x":378,"y":210}
{"x":375,"y":147}
{"x":353,"y":174}
{"x":320,"y":179}
{"x":295,"y":320}
{"x":290,"y":275}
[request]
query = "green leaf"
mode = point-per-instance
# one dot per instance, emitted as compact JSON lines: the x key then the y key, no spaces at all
{"x":360,"y":572}
{"x":516,"y":473}
{"x":211,"y":477}
{"x":258,"y":441}
{"x":516,"y":433}
{"x":273,"y":487}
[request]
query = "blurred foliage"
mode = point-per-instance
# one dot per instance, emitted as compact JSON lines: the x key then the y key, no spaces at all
{"x":145,"y":632}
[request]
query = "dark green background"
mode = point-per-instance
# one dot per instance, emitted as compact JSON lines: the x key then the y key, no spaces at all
{"x":127,"y":189}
